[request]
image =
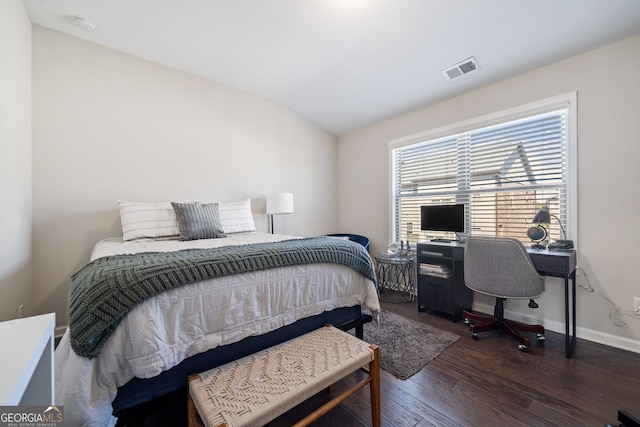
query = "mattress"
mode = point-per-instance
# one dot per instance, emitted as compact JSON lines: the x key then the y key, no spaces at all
{"x":164,"y":330}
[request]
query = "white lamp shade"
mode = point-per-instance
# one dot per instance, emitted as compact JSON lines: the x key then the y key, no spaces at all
{"x":279,"y":203}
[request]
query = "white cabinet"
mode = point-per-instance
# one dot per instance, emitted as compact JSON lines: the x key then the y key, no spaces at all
{"x":26,"y":361}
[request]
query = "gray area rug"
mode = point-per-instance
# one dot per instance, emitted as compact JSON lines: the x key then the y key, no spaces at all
{"x":406,"y":346}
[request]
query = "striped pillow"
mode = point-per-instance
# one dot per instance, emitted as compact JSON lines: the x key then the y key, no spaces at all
{"x":198,"y":220}
{"x":236,"y":217}
{"x":147,"y":220}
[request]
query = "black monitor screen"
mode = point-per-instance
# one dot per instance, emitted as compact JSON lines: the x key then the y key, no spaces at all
{"x":442,"y":218}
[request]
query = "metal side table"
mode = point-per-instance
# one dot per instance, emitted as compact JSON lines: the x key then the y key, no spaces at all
{"x":396,"y":278}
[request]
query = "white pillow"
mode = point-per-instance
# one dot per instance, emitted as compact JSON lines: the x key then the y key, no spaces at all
{"x":147,"y":220}
{"x":236,"y":217}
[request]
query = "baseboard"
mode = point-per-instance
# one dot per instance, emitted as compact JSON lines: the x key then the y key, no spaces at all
{"x":582,"y":333}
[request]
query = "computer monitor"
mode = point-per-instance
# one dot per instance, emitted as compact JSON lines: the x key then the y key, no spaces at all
{"x":442,"y":218}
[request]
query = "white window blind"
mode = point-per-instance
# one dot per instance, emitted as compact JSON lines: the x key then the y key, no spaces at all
{"x":502,"y":174}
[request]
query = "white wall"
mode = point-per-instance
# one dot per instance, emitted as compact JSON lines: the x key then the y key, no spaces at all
{"x":109,"y":126}
{"x":15,"y":160}
{"x":608,"y":86}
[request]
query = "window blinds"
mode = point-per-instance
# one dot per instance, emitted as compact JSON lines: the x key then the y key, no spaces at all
{"x":503,"y":174}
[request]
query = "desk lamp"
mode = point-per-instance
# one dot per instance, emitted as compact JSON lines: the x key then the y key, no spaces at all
{"x":539,"y":233}
{"x":278,"y":204}
{"x":543,"y":216}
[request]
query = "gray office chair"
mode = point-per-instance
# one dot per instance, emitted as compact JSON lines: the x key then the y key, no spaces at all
{"x":501,"y":267}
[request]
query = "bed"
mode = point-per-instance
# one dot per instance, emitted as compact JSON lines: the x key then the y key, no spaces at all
{"x":147,"y":350}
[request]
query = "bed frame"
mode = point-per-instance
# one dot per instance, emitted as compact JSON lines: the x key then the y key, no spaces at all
{"x":133,"y":399}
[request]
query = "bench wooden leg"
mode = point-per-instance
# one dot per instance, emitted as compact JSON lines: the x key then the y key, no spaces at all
{"x":374,"y":389}
{"x":192,"y":412}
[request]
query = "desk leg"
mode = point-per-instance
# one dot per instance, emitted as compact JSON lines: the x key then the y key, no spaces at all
{"x":570,"y":316}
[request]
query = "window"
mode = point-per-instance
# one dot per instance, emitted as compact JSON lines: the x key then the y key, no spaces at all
{"x":502,"y":168}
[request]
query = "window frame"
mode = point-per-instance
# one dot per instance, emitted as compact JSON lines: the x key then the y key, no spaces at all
{"x":566,"y":101}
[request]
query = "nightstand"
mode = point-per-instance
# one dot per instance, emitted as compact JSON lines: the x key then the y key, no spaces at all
{"x":396,"y":278}
{"x":26,"y":363}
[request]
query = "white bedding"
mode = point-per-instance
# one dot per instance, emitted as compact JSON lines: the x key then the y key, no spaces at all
{"x":164,"y":330}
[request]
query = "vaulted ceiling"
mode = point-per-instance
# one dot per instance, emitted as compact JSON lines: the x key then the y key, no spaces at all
{"x":345,"y":64}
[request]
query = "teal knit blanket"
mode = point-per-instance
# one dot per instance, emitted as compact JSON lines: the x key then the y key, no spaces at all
{"x":106,"y":289}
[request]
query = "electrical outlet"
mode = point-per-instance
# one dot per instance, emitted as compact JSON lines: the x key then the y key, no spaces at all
{"x":20,"y":311}
{"x":636,"y":303}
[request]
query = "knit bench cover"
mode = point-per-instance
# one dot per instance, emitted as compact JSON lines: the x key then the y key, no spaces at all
{"x":258,"y":388}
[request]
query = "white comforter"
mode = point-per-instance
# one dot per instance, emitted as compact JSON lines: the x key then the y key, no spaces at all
{"x":164,"y":330}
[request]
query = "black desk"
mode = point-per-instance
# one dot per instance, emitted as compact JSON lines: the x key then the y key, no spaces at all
{"x":548,"y":263}
{"x":561,"y":264}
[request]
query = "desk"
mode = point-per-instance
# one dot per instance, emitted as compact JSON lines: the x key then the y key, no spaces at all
{"x":548,"y":263}
{"x":561,"y":264}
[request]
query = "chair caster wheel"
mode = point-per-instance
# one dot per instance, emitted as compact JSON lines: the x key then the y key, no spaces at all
{"x":467,"y":321}
{"x":540,"y":338}
{"x":475,"y":336}
{"x":523,"y":348}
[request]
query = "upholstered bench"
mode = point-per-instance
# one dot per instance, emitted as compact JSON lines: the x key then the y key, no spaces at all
{"x":256,"y":389}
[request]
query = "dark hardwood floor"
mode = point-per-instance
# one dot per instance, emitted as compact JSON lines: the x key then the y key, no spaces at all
{"x":481,"y":383}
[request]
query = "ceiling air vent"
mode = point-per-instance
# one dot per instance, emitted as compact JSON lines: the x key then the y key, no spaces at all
{"x":462,"y":68}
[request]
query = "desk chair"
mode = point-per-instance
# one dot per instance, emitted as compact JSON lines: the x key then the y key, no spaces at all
{"x":501,"y":267}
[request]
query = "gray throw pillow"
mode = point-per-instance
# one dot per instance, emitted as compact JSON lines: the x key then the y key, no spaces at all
{"x":198,"y":220}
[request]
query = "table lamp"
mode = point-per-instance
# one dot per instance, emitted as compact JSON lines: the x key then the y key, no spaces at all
{"x":543,"y":216}
{"x":278,"y":204}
